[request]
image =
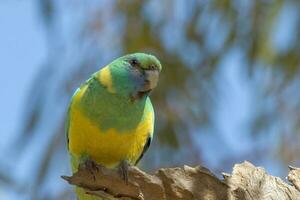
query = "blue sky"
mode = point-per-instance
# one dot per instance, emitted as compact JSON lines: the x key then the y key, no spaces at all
{"x":22,"y":52}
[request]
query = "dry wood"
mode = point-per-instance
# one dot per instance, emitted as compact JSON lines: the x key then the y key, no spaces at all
{"x":246,"y":182}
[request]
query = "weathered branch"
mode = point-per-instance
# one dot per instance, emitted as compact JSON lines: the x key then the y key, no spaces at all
{"x":246,"y":182}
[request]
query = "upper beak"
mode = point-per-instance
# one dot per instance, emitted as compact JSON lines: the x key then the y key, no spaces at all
{"x":151,"y":80}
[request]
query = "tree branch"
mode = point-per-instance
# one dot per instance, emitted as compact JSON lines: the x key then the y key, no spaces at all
{"x":246,"y":182}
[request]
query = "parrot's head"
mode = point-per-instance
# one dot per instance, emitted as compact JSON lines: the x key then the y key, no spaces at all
{"x":134,"y":75}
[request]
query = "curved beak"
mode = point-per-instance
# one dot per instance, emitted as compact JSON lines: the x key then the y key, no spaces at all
{"x":146,"y":83}
{"x":151,"y":80}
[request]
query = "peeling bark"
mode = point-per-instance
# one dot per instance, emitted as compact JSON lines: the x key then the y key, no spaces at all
{"x":246,"y":182}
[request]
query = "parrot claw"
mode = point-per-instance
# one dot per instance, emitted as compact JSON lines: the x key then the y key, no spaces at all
{"x":90,"y":164}
{"x":123,"y":170}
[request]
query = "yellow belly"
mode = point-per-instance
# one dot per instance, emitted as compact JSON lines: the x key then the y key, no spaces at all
{"x":110,"y":147}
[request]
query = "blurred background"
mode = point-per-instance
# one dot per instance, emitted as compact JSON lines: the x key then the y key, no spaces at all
{"x":229,"y":90}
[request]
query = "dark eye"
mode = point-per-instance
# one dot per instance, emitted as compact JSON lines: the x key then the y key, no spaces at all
{"x":152,"y":67}
{"x":134,"y":62}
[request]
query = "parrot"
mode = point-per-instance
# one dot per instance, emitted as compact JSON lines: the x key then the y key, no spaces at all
{"x":110,"y":117}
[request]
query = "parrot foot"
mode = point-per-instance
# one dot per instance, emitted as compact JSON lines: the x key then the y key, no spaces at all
{"x":123,"y":170}
{"x":91,"y":166}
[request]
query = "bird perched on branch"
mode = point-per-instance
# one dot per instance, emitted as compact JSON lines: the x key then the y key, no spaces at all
{"x":110,"y":118}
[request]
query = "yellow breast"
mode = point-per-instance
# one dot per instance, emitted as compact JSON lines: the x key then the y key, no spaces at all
{"x":107,"y":148}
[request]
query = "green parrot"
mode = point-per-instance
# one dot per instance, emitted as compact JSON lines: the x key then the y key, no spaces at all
{"x":110,"y":118}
